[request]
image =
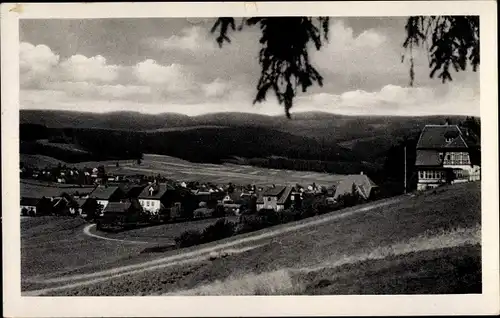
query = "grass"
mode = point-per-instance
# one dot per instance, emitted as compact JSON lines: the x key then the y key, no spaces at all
{"x":39,"y":161}
{"x":412,"y":241}
{"x":165,"y":232}
{"x":401,"y":268}
{"x":187,"y":171}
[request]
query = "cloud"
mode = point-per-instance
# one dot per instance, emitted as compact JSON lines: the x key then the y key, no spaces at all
{"x":35,"y":63}
{"x":342,"y":38}
{"x":394,"y":100}
{"x":370,"y":60}
{"x":193,"y":39}
{"x":106,"y":91}
{"x":217,"y":88}
{"x":82,"y":68}
{"x":172,"y":78}
{"x":390,"y":100}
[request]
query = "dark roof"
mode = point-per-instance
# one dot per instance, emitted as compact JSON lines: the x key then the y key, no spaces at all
{"x":117,"y":207}
{"x":284,"y":195}
{"x":436,"y":136}
{"x":103,"y":193}
{"x":159,"y":191}
{"x":29,"y":201}
{"x":428,"y":158}
{"x":282,"y":192}
{"x":362,"y":182}
{"x":135,"y":191}
{"x":274,"y":192}
{"x":80,"y":202}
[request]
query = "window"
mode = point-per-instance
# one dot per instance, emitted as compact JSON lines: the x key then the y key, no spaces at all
{"x":147,"y":203}
{"x":421,"y":174}
{"x":269,"y":199}
{"x":448,"y":157}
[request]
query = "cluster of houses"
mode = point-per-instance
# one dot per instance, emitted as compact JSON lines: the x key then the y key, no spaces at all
{"x":62,"y":174}
{"x":173,"y":200}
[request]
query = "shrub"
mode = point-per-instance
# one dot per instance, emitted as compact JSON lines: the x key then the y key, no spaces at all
{"x":263,"y":219}
{"x":250,"y":223}
{"x":188,"y":238}
{"x":290,"y":215}
{"x":217,"y":231}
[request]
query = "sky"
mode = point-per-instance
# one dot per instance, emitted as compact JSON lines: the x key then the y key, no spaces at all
{"x":154,"y":65}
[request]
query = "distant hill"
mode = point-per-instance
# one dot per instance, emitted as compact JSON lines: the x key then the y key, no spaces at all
{"x":365,"y":137}
{"x":113,"y":120}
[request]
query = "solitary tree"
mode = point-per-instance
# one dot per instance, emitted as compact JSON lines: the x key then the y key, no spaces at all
{"x":450,"y":41}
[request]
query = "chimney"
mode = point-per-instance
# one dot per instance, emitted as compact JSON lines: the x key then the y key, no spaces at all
{"x":151,"y":190}
{"x":361,"y":173}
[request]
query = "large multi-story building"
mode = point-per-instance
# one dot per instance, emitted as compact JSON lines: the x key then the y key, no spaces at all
{"x":447,"y":154}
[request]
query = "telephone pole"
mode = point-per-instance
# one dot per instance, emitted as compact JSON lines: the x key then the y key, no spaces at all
{"x":405,"y":170}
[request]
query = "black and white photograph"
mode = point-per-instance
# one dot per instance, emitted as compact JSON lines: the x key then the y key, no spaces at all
{"x":256,"y":154}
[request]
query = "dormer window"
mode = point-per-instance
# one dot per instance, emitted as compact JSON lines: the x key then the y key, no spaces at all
{"x":448,"y":139}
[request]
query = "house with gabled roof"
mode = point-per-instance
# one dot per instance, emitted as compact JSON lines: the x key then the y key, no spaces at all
{"x":105,"y":194}
{"x":157,"y":196}
{"x":276,"y":198}
{"x":358,"y":183}
{"x":447,"y":154}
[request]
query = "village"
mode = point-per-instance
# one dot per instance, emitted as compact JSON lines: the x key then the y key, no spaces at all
{"x":445,"y":154}
{"x":160,"y":199}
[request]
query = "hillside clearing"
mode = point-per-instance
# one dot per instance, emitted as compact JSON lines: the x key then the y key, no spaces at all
{"x":404,"y":239}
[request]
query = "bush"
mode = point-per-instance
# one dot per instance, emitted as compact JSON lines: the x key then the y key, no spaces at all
{"x":291,"y":215}
{"x":188,"y":238}
{"x":263,"y":219}
{"x":250,"y":223}
{"x":217,"y":231}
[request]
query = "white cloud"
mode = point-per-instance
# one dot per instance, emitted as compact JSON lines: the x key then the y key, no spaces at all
{"x":92,"y":90}
{"x":194,"y":39}
{"x":38,"y":58}
{"x":81,"y":68}
{"x":390,"y":100}
{"x":35,"y":63}
{"x":172,"y":78}
{"x":369,"y":58}
{"x":394,"y":100}
{"x":342,"y":38}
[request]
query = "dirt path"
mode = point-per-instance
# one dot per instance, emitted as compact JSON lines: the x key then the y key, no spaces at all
{"x":235,"y":246}
{"x":86,"y":231}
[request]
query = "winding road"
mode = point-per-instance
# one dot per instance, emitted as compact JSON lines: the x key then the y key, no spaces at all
{"x":234,"y":245}
{"x":88,"y":228}
{"x":396,"y":226}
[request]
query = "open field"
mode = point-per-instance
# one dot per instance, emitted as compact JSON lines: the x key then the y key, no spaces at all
{"x":52,"y":245}
{"x":407,"y":241}
{"x":164,"y":232}
{"x":182,"y":170}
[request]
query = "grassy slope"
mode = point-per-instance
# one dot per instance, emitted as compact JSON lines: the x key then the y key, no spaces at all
{"x":57,"y":244}
{"x":39,"y":161}
{"x":453,"y":207}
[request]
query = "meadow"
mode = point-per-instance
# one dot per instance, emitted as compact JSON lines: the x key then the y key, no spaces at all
{"x":428,"y":243}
